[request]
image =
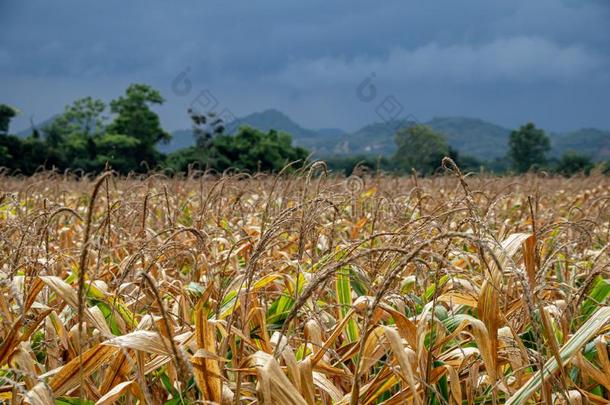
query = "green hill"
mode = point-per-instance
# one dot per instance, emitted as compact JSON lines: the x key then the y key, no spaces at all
{"x":472,"y":136}
{"x":589,"y":141}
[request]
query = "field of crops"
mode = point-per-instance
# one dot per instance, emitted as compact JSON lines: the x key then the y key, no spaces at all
{"x":304,"y":288}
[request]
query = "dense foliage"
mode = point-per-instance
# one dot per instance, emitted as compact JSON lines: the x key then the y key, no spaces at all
{"x":528,"y":148}
{"x":572,"y":163}
{"x":249,"y":150}
{"x":81,"y":138}
{"x":421,"y":148}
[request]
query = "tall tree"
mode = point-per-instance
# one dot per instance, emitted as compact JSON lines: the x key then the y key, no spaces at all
{"x":71,"y":136}
{"x":135,"y":118}
{"x":205,"y":126}
{"x":419,"y":147}
{"x":6,"y":114}
{"x":528,"y":147}
{"x":83,"y":118}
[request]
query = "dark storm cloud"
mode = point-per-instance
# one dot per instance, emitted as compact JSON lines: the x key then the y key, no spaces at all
{"x":504,"y":61}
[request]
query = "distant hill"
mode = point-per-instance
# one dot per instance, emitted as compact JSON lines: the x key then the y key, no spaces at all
{"x":589,"y":141}
{"x":474,"y":137}
{"x":331,"y":132}
{"x":271,"y":119}
{"x":182,"y":138}
{"x":39,"y":125}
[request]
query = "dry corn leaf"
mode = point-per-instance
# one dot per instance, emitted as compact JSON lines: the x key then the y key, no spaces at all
{"x":114,"y":394}
{"x":206,"y":368}
{"x":70,"y":297}
{"x":273,"y":385}
{"x":143,"y":340}
{"x":69,"y":376}
{"x":405,"y":365}
{"x":39,"y":395}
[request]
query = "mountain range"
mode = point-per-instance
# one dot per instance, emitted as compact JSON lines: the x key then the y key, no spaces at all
{"x":470,"y":136}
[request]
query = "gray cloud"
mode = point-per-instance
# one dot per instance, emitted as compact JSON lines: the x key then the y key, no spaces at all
{"x":506,"y":61}
{"x":519,"y":59}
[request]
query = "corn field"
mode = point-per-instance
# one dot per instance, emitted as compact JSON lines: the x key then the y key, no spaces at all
{"x":304,"y":288}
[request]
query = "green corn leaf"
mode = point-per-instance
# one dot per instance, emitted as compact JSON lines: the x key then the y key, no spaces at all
{"x":597,"y":296}
{"x":572,"y":346}
{"x":344,"y":299}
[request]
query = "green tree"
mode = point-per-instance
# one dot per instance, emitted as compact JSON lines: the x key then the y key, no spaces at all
{"x":17,"y":154}
{"x":84,"y":117}
{"x":35,"y":155}
{"x":572,"y":163}
{"x":249,"y":150}
{"x":205,"y":127}
{"x":6,"y":114}
{"x":136,"y":119}
{"x":180,"y":160}
{"x":421,"y":148}
{"x":10,"y":151}
{"x":528,"y":147}
{"x":118,"y":151}
{"x":71,"y":136}
{"x":253,"y":151}
{"x":9,"y":145}
{"x":24,"y":155}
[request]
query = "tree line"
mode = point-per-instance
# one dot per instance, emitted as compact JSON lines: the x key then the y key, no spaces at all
{"x":84,"y":138}
{"x":91,"y":136}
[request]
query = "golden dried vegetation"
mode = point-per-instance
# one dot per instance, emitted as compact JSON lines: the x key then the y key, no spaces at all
{"x":303,"y":288}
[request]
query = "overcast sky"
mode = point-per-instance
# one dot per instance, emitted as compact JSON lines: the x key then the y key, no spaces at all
{"x":508,"y":62}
